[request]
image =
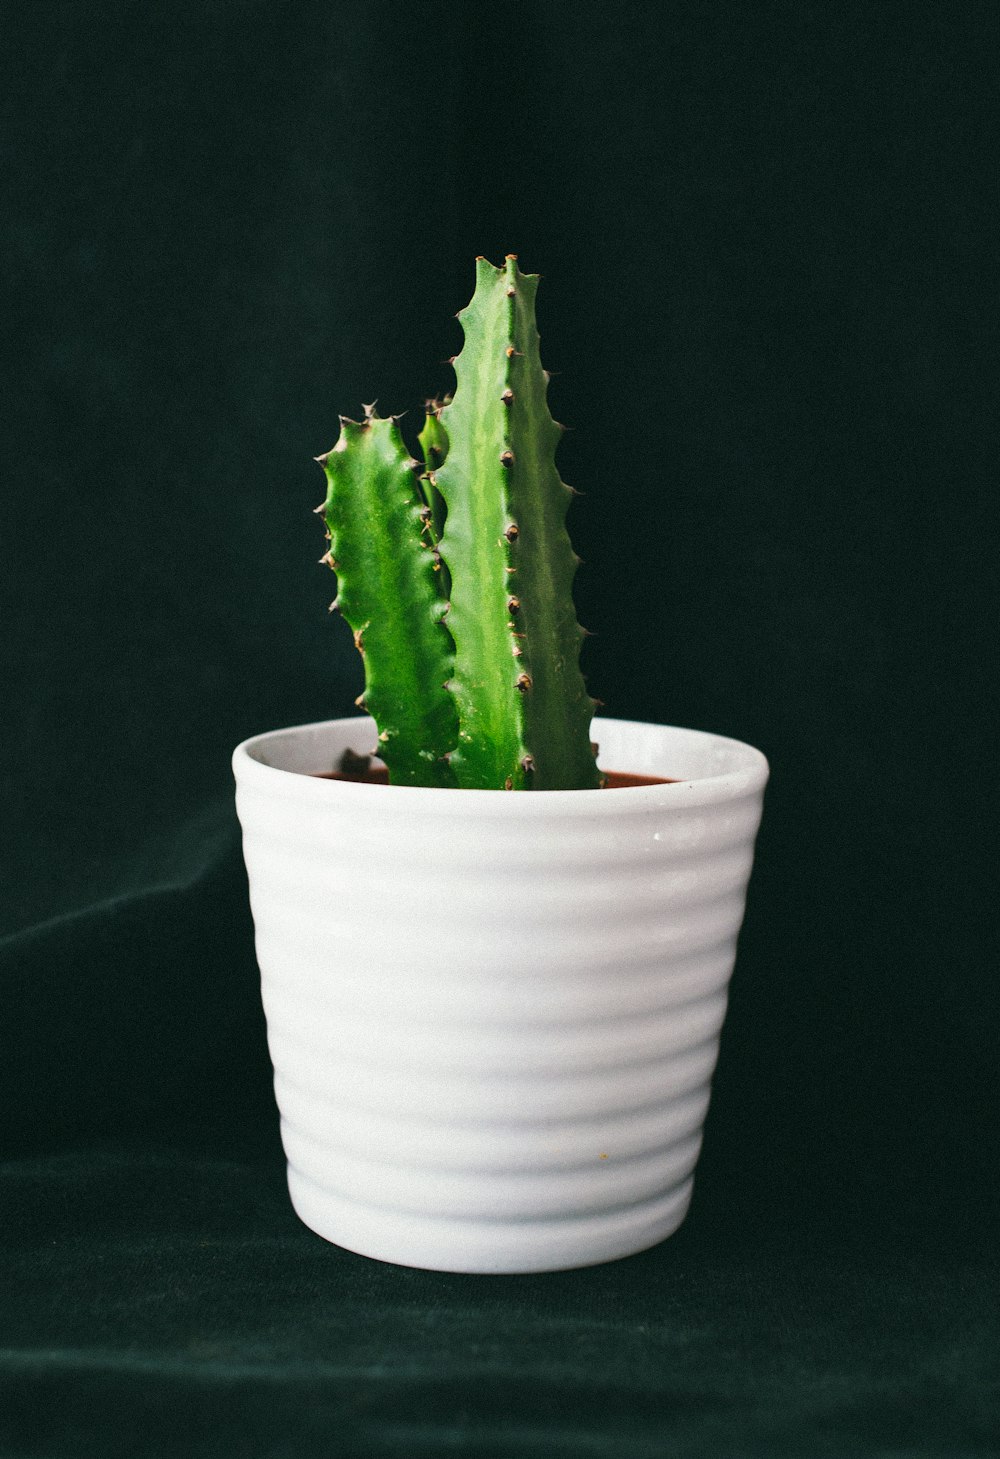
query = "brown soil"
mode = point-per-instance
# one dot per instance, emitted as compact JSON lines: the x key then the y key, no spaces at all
{"x":378,"y":775}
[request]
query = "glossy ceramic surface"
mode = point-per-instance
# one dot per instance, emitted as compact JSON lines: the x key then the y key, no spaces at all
{"x":494,"y":1016}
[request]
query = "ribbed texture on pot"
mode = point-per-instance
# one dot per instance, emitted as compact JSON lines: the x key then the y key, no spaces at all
{"x":494,"y":1017}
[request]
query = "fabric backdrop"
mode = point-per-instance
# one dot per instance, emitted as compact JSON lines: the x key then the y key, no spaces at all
{"x":762,"y":234}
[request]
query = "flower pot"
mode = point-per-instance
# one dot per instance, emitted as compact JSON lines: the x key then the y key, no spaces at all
{"x":494,"y":1016}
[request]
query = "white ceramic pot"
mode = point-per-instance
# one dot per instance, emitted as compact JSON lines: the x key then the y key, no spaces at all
{"x":494,"y":1016}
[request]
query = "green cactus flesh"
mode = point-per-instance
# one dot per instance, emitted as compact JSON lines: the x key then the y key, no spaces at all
{"x":523,"y":710}
{"x":388,"y":576}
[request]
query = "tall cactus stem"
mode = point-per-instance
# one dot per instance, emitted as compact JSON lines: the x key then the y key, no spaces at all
{"x":523,"y":710}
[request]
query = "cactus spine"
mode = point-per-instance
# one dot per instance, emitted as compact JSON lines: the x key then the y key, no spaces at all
{"x":524,"y":712}
{"x":471,"y":651}
{"x":388,"y":591}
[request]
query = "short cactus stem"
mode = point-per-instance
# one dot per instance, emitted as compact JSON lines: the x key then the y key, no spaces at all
{"x":389,"y":594}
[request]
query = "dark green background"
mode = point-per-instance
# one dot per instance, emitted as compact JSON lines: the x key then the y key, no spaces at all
{"x":767,"y":289}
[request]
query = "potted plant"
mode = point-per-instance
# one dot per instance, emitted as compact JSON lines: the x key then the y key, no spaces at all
{"x":494,"y":985}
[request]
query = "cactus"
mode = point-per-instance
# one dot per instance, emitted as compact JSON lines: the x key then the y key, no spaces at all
{"x":524,"y":712}
{"x":388,"y":591}
{"x":471,"y":651}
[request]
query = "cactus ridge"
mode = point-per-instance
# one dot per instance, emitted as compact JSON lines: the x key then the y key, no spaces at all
{"x":523,"y":710}
{"x":383,"y":550}
{"x":434,"y":449}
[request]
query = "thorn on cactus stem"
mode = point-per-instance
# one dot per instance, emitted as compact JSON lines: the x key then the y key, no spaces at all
{"x":513,"y":605}
{"x":359,"y":642}
{"x":321,"y":507}
{"x":510,"y":352}
{"x":326,"y":560}
{"x":360,"y":701}
{"x":528,"y":764}
{"x":512,"y":256}
{"x":369,"y":411}
{"x":324,"y":458}
{"x":384,"y":737}
{"x":511,"y":292}
{"x":597,"y":703}
{"x":513,"y":532}
{"x":523,"y":683}
{"x":507,"y":459}
{"x":517,"y":651}
{"x":334,"y":606}
{"x":508,"y":784}
{"x":508,"y":397}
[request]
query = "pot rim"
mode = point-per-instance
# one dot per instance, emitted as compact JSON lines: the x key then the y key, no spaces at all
{"x":747,"y":777}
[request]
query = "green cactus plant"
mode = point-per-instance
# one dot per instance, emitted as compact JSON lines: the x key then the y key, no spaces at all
{"x":458,"y":583}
